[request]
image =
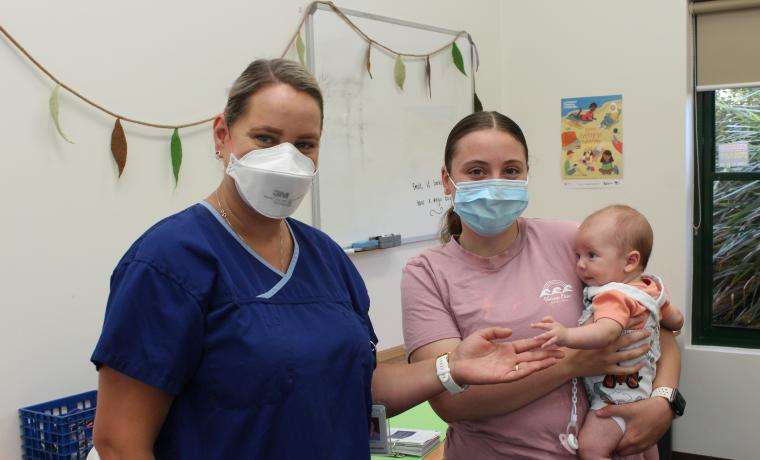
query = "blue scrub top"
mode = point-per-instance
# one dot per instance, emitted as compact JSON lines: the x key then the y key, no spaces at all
{"x":262,"y":364}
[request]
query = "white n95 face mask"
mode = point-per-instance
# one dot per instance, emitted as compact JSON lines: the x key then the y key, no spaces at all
{"x":272,"y":181}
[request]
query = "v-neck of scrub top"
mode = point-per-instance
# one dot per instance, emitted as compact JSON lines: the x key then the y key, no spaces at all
{"x":284,"y":277}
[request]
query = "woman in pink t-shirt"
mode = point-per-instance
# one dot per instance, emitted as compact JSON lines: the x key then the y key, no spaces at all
{"x":498,"y":269}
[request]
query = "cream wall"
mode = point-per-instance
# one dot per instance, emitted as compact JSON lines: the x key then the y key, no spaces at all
{"x":67,"y":220}
{"x":639,"y":49}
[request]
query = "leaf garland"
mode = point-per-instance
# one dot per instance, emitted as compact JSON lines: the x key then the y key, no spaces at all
{"x":367,"y":60}
{"x":427,"y":77}
{"x":399,"y":72}
{"x":176,"y":153}
{"x":301,"y":48}
{"x":475,"y":51}
{"x":476,"y":104}
{"x":55,"y":111}
{"x":456,"y":55}
{"x":119,"y":146}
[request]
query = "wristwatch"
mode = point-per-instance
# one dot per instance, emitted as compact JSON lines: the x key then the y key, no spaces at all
{"x":444,"y":375}
{"x":674,"y":398}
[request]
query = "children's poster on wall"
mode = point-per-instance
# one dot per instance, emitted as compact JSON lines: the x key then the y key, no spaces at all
{"x":592,"y":141}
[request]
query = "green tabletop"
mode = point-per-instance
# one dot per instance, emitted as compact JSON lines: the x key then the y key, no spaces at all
{"x":421,"y":417}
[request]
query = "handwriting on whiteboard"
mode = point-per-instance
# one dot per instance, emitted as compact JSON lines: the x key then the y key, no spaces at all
{"x":429,"y":196}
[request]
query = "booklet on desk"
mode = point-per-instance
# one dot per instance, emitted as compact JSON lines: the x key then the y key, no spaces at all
{"x":413,"y":442}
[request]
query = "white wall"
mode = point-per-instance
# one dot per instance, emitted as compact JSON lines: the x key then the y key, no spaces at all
{"x":67,"y":219}
{"x":556,"y":49}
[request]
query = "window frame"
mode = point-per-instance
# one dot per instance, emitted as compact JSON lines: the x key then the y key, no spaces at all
{"x":704,"y":332}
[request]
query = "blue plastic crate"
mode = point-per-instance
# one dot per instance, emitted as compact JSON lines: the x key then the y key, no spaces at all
{"x":59,"y":429}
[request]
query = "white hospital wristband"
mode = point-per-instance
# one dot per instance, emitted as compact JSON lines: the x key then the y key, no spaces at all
{"x":444,"y":375}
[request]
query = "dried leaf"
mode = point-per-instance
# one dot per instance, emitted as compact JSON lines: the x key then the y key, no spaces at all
{"x":477,"y":56}
{"x":475,"y":51}
{"x":176,"y":151}
{"x":476,"y":104}
{"x":367,"y":60}
{"x":119,"y":146}
{"x":301,"y":48}
{"x":457,"y":56}
{"x":427,"y":77}
{"x":399,"y":72}
{"x":55,"y":109}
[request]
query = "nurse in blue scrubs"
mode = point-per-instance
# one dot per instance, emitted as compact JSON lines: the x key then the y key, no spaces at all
{"x":235,"y":332}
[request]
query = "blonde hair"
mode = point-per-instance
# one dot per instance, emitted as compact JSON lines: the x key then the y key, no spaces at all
{"x":632,"y":230}
{"x":262,"y":73}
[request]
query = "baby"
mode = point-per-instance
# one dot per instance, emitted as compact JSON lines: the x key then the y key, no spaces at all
{"x":613,"y":247}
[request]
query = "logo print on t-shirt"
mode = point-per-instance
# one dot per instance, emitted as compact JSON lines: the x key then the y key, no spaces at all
{"x":556,"y":291}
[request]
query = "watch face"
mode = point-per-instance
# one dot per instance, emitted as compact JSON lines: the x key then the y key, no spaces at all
{"x":678,"y":404}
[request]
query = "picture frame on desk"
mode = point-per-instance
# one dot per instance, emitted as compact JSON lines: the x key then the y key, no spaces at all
{"x":379,"y":441}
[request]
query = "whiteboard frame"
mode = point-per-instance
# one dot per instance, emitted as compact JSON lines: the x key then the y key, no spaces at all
{"x":316,"y":216}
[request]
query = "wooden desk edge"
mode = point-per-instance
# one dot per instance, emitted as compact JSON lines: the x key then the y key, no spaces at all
{"x":393,"y":355}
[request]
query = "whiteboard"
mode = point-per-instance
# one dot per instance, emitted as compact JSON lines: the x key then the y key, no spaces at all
{"x":382,"y":148}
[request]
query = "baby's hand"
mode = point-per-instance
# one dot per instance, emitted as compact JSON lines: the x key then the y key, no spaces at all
{"x":556,"y":334}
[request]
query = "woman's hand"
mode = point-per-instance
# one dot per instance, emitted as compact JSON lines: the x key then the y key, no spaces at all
{"x":603,"y":361}
{"x":646,"y":421}
{"x":479,"y":360}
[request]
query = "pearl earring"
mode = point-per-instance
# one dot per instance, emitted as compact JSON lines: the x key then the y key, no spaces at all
{"x":218,"y":155}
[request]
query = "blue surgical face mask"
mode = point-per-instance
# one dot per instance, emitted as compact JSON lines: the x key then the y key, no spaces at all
{"x":490,"y":206}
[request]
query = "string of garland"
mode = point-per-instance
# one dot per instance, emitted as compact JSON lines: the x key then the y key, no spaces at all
{"x":118,"y":136}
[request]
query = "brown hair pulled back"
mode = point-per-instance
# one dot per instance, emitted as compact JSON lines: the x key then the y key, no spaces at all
{"x":452,"y":224}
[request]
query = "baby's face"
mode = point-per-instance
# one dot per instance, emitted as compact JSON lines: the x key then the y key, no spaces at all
{"x":599,"y":260}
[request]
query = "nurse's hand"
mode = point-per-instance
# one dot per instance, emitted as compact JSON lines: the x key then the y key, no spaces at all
{"x":603,"y":361}
{"x":646,"y":422}
{"x":481,"y":359}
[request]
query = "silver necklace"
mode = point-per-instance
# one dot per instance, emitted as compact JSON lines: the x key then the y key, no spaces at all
{"x":224,"y":211}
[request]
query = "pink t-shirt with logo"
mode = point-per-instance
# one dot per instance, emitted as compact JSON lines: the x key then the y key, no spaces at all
{"x":448,"y":292}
